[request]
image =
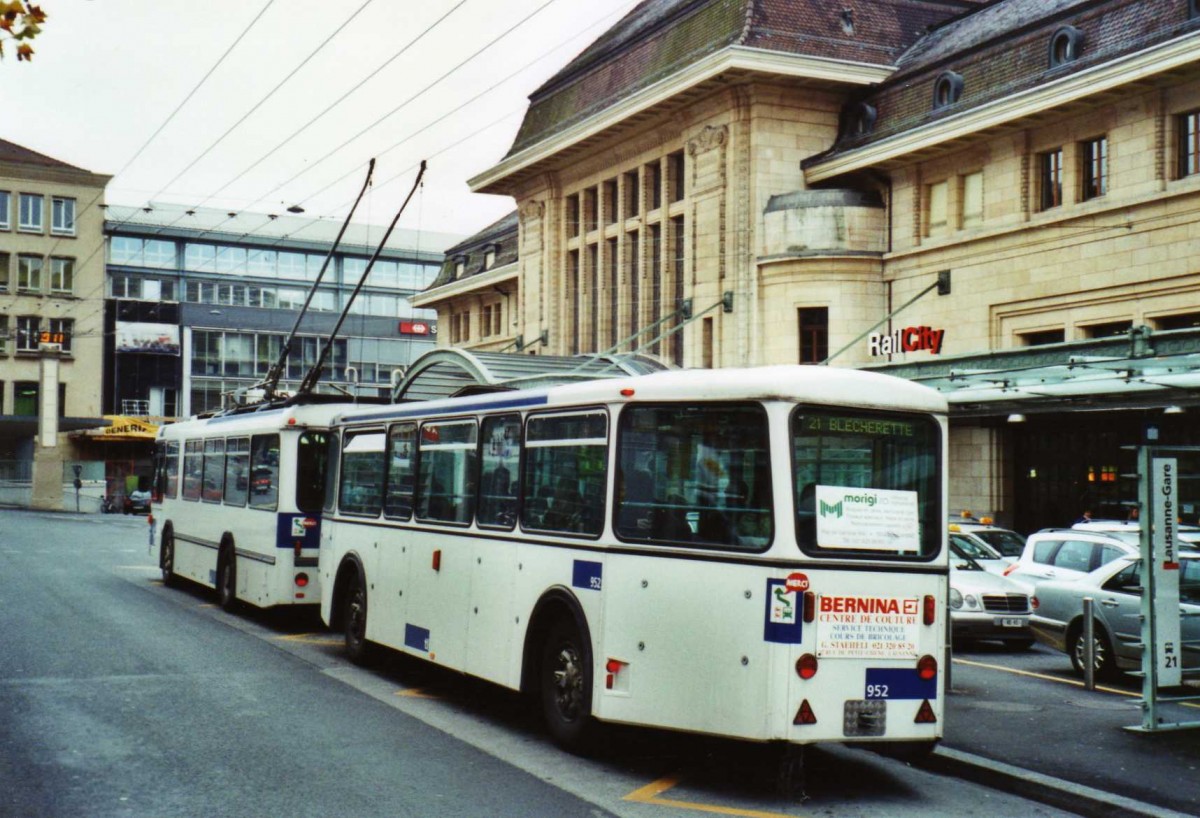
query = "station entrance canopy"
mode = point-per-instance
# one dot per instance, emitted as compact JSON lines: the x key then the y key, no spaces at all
{"x":1138,"y":370}
{"x":442,"y":373}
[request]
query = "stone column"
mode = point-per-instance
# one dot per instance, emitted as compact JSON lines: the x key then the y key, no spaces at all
{"x":47,"y":455}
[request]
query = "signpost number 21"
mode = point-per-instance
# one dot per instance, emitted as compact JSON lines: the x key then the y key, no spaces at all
{"x":1164,"y":567}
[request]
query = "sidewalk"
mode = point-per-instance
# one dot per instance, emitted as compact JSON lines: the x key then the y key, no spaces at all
{"x":1053,"y":741}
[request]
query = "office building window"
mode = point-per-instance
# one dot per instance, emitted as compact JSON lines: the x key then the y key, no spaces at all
{"x":29,"y":330}
{"x":814,"y":334}
{"x":5,"y":210}
{"x":675,"y":176}
{"x":1042,"y":337}
{"x":62,"y":216}
{"x":633,"y":195}
{"x":1050,"y":177}
{"x":610,"y":201}
{"x":62,"y":328}
{"x":31,"y":213}
{"x":1094,"y":154}
{"x":25,"y":398}
{"x":572,"y":215}
{"x":5,"y":261}
{"x":972,"y":199}
{"x":937,"y":203}
{"x":654,"y":185}
{"x":29,"y":274}
{"x":1189,"y":143}
{"x":3,"y":347}
{"x":62,"y":276}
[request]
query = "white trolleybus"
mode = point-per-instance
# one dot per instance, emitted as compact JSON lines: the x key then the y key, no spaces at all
{"x":754,"y":553}
{"x":238,"y":496}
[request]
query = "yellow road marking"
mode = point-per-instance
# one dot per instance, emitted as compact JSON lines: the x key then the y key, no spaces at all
{"x":417,"y":693}
{"x":650,"y":793}
{"x":310,"y":638}
{"x":1060,"y":680}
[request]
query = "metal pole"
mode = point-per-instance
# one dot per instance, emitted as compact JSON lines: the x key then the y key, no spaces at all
{"x":1089,"y":644}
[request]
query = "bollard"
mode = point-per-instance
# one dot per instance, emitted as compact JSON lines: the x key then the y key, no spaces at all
{"x":1089,"y":644}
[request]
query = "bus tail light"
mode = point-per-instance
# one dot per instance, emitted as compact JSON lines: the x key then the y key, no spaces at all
{"x":805,"y":714}
{"x":925,"y":714}
{"x":301,"y":580}
{"x":930,"y":609}
{"x":806,"y":666}
{"x":810,"y":606}
{"x":927,"y":667}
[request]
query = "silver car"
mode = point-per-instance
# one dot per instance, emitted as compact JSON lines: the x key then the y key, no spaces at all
{"x":1116,"y":587}
{"x":984,"y":605}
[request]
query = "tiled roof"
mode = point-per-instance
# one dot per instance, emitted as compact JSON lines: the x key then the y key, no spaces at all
{"x":1003,"y":49}
{"x":12,"y":152}
{"x":661,"y":37}
{"x":502,"y":234}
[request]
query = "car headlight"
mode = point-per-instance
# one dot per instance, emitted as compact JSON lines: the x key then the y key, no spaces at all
{"x":956,"y":599}
{"x":971,"y":601}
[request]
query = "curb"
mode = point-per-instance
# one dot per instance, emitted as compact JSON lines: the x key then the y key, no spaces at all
{"x":1076,"y":798}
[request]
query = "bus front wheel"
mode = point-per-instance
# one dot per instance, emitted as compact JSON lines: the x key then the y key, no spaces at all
{"x":566,"y":687}
{"x":354,"y":621}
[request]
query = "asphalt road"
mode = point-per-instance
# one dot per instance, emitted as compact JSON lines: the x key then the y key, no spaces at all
{"x":121,"y":697}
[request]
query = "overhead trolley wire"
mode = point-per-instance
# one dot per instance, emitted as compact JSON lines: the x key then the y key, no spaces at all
{"x":381,"y":119}
{"x":260,"y":103}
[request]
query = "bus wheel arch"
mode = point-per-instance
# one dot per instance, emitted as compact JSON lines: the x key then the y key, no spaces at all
{"x":558,"y":668}
{"x":227,"y":574}
{"x":348,"y":611}
{"x":166,"y":555}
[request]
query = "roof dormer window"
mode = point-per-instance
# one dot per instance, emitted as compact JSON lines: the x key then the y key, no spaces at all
{"x":947,"y":89}
{"x":860,"y":119}
{"x":1065,"y":45}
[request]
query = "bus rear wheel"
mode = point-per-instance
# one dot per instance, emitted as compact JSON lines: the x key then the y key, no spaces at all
{"x":166,"y":558}
{"x":566,"y":687}
{"x":227,"y":581}
{"x":354,"y":622}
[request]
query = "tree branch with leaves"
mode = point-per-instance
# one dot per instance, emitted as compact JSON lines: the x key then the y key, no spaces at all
{"x":20,"y":21}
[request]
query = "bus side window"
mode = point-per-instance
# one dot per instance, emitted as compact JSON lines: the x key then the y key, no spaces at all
{"x":237,"y":470}
{"x":500,"y":462}
{"x":171,"y":470}
{"x":446,"y":472}
{"x":214,"y":471}
{"x":398,"y":503}
{"x":695,"y":474}
{"x":193,"y":469}
{"x":361,"y":490}
{"x":565,"y":473}
{"x":331,"y":477}
{"x":264,"y":472}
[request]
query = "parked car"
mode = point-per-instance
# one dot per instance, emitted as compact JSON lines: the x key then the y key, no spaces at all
{"x":1131,"y":532}
{"x":1008,"y":543}
{"x":1116,"y":588}
{"x":1065,"y":553}
{"x":984,"y":605}
{"x":137,"y":502}
{"x":964,"y":545}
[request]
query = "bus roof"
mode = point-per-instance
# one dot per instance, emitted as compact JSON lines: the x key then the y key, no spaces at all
{"x":275,"y":418}
{"x":793,"y":383}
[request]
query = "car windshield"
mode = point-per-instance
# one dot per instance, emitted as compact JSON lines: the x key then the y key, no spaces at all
{"x":1007,"y":543}
{"x":964,"y":551}
{"x":967,"y":547}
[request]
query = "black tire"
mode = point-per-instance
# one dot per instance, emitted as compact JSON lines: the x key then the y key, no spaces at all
{"x":354,"y":623}
{"x":566,"y":687}
{"x":1105,"y":666}
{"x":227,"y":581}
{"x":166,"y":558}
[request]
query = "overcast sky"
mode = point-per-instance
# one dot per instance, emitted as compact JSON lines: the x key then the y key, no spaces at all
{"x":107,"y":74}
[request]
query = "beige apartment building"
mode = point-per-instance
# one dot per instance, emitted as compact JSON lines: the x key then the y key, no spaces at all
{"x":999,"y":199}
{"x":51,"y":312}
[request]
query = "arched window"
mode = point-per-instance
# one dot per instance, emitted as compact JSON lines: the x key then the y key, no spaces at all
{"x":1065,"y":45}
{"x":947,"y":89}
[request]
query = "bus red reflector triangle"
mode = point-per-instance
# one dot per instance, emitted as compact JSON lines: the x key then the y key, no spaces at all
{"x":805,"y":714}
{"x":925,"y":714}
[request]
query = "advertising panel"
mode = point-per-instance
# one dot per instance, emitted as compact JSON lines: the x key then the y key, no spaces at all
{"x":158,"y":339}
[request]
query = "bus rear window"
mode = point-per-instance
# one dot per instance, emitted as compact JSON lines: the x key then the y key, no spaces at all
{"x":867,"y":484}
{"x":312,"y":462}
